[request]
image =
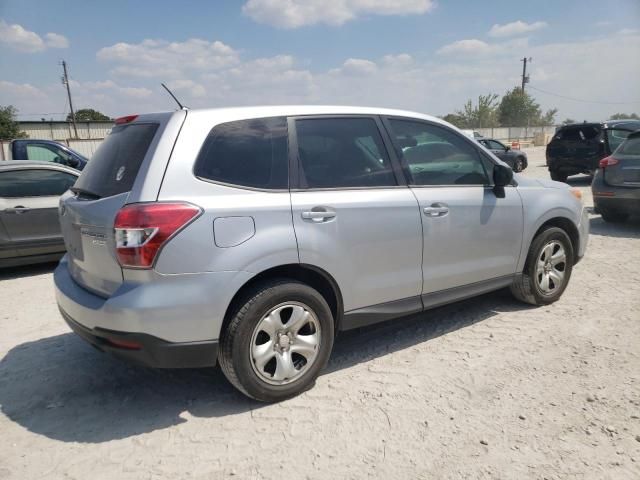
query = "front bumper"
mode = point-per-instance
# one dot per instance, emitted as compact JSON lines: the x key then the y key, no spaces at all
{"x":147,"y":350}
{"x":583,"y":232}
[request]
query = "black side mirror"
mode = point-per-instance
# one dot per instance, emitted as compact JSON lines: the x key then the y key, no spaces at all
{"x":502,"y":176}
{"x":507,"y":148}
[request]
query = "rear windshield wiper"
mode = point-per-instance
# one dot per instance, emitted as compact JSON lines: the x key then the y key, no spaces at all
{"x":85,"y":193}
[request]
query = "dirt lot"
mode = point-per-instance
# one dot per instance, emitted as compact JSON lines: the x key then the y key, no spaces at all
{"x":486,"y":388}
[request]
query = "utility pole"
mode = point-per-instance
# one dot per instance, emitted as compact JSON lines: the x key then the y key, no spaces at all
{"x":525,"y":77}
{"x":65,"y":82}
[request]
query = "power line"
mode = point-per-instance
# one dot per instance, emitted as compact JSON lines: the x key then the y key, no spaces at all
{"x":581,"y":100}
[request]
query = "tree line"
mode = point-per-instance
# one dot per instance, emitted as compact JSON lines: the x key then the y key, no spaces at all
{"x":515,"y":109}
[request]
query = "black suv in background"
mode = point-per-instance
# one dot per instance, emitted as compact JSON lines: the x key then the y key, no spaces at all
{"x":577,"y":148}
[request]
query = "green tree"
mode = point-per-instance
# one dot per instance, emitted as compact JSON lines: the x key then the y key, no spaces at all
{"x":518,"y":109}
{"x":568,"y":121}
{"x":455,"y":119}
{"x":9,"y":126}
{"x":624,"y":116}
{"x":481,"y":115}
{"x":89,"y":115}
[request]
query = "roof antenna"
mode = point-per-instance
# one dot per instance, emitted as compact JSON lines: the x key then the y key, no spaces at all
{"x":173,"y":96}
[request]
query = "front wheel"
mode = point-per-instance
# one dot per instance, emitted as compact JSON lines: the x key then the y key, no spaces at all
{"x":277,"y":341}
{"x":547,"y":269}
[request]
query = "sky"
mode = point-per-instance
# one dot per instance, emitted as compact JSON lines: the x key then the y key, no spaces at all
{"x":429,"y":56}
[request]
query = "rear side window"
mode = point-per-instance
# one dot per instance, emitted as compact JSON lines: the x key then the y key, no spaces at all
{"x":34,"y":183}
{"x":631,"y":146}
{"x":342,"y":153}
{"x":615,"y":137}
{"x":248,"y":153}
{"x":114,"y":167}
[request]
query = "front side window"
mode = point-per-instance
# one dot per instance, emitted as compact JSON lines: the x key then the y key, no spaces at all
{"x":494,"y":145}
{"x":249,"y":153}
{"x":433,"y":155}
{"x":342,"y":153}
{"x":34,"y":183}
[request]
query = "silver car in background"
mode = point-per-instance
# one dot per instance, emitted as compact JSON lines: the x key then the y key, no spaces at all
{"x":252,"y":236}
{"x":29,"y":196}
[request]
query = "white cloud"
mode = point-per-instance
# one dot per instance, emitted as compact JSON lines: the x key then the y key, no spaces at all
{"x":161,"y":59}
{"x":55,"y":40}
{"x":355,"y":67}
{"x":466,"y":47}
{"x":22,"y":40}
{"x":298,"y":13}
{"x":515,"y":28}
{"x":427,"y":82}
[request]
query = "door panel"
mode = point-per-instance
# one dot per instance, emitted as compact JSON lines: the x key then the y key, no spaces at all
{"x":478,"y":237}
{"x":469,"y":234}
{"x":33,"y":225}
{"x":350,"y":215}
{"x":370,"y":242}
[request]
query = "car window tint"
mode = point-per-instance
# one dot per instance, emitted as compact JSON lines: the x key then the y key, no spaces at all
{"x":41,"y":153}
{"x":34,"y":183}
{"x":578,"y":134}
{"x":115,"y":164}
{"x":250,"y":153}
{"x":437,"y":156}
{"x":615,"y":137}
{"x":631,"y":146}
{"x":495,"y":145}
{"x":342,"y":153}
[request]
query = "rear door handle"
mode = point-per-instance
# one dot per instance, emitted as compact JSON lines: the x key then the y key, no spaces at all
{"x":19,"y":209}
{"x":436,"y":210}
{"x":317,"y":215}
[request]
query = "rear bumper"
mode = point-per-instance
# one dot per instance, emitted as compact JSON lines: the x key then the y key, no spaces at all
{"x":620,"y":199}
{"x":176,"y":319}
{"x":147,"y":350}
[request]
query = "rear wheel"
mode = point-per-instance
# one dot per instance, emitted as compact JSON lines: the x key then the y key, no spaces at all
{"x":612,"y":216}
{"x":277,"y":341}
{"x":547,"y":269}
{"x":558,"y":176}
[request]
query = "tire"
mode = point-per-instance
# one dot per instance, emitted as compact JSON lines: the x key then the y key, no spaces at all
{"x":611,"y":216}
{"x":558,"y":176}
{"x":529,"y":286}
{"x":258,"y":327}
{"x":518,"y":164}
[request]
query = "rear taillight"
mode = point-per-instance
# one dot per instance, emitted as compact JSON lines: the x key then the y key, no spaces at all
{"x":142,"y":229}
{"x":608,"y":162}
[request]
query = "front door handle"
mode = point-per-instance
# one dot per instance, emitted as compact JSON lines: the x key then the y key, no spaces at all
{"x":436,"y":210}
{"x":318,"y":215}
{"x":19,"y":209}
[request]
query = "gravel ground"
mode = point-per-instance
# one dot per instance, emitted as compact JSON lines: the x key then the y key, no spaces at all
{"x":486,"y":388}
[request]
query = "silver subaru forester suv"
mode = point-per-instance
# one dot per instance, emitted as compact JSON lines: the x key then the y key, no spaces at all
{"x":251,"y":236}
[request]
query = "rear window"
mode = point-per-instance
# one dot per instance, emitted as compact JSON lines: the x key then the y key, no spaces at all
{"x":631,"y":146}
{"x":578,"y":134}
{"x":248,"y":153}
{"x":114,"y":167}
